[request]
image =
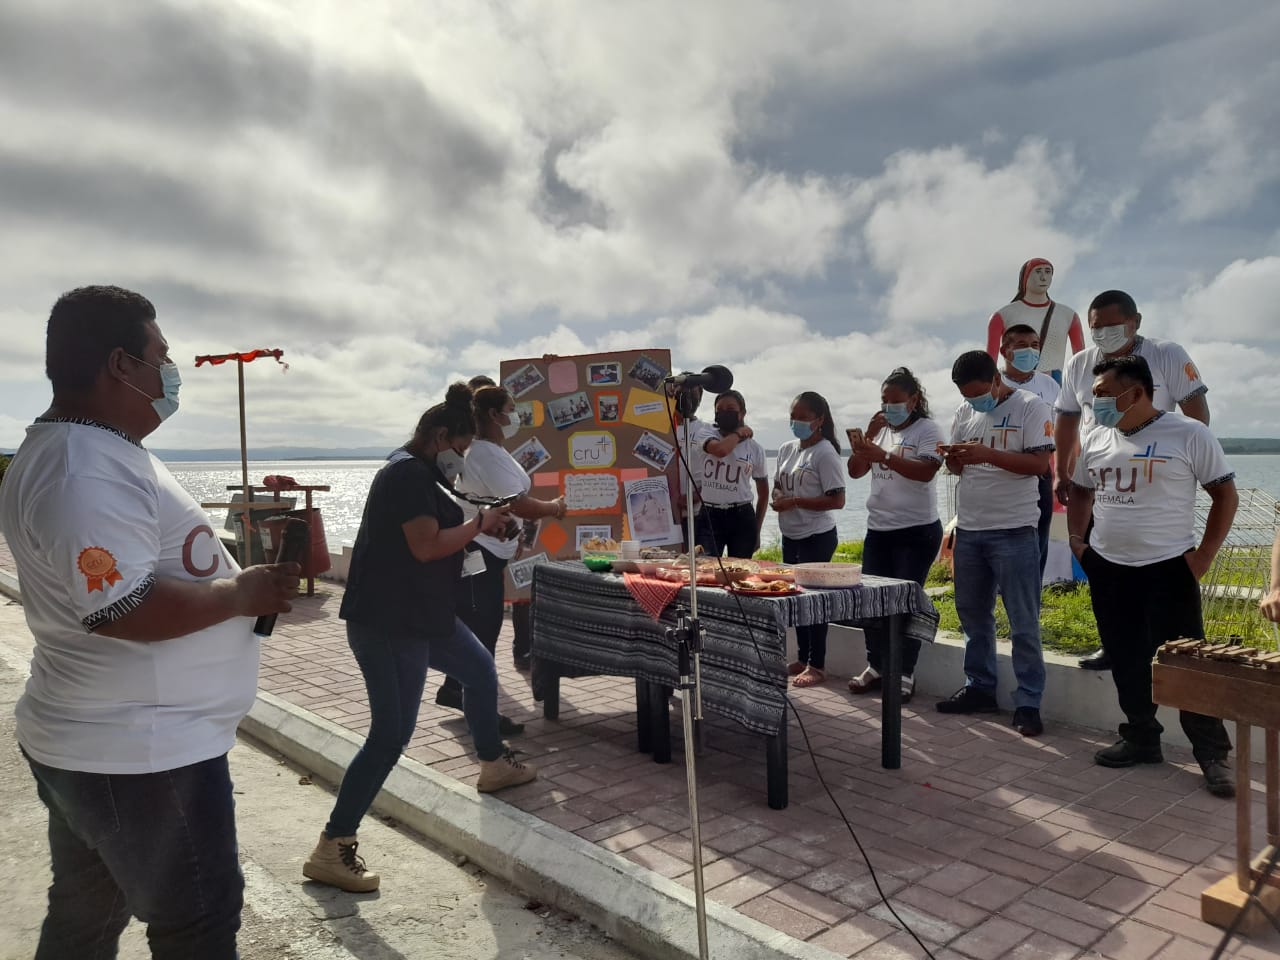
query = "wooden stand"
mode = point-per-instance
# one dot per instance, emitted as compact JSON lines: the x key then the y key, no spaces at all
{"x":1237,"y":684}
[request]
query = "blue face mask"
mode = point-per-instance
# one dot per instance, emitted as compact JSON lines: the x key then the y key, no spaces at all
{"x":1106,"y":412}
{"x":802,"y":429}
{"x":1026,"y":359}
{"x":165,"y":405}
{"x":896,"y":413}
{"x":983,"y":404}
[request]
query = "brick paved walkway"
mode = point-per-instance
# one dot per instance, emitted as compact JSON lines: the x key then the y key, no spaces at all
{"x":991,"y":846}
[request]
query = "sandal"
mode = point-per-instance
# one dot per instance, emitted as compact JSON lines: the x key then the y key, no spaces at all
{"x":866,"y":681}
{"x":795,"y":667}
{"x":811,"y":677}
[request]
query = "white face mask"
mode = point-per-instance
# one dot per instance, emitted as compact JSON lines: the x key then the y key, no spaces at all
{"x":511,"y":427}
{"x":449,"y":462}
{"x":1111,"y":339}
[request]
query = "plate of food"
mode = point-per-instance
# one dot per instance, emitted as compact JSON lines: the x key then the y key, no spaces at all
{"x":764,"y":588}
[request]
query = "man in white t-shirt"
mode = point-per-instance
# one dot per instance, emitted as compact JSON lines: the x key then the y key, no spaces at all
{"x":1001,"y":441}
{"x":144,"y":661}
{"x":1020,"y":351}
{"x":1136,"y":478}
{"x":1113,"y":326}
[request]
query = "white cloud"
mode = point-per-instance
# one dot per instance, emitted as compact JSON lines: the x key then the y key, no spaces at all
{"x":399,"y":193}
{"x":1230,"y":147}
{"x":949,"y":230}
{"x":1242,"y":302}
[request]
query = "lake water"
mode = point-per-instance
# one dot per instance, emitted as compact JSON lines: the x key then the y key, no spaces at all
{"x":341,"y":507}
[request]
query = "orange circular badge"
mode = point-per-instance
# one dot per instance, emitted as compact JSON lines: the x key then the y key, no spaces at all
{"x":98,"y":567}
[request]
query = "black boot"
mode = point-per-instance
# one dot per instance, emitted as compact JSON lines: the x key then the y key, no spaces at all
{"x":1098,"y":660}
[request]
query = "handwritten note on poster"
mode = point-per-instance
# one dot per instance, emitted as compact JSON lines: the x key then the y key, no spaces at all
{"x":591,"y":492}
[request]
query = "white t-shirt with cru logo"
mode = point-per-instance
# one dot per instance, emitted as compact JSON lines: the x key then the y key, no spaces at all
{"x":1144,"y":487}
{"x":895,"y":501}
{"x":93,"y":519}
{"x":990,"y":497}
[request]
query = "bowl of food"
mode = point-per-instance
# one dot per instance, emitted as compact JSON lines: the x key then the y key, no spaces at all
{"x":597,"y":564}
{"x":828,"y":575}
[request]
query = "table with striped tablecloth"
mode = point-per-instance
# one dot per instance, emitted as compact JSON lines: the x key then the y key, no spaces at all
{"x":588,"y":623}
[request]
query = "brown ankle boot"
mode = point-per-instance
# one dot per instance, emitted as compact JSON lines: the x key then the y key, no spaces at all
{"x":334,"y":861}
{"x":504,"y":772}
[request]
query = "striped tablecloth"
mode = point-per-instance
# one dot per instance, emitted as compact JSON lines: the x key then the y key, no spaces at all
{"x":590,"y":623}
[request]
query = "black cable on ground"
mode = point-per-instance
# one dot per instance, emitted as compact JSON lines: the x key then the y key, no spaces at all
{"x":813,"y":757}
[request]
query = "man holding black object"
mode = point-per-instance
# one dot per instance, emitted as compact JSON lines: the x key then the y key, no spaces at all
{"x":1136,"y":476}
{"x":145,"y":660}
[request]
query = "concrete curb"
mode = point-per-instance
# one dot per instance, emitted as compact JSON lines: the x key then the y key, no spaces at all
{"x":9,"y":586}
{"x":641,"y":909}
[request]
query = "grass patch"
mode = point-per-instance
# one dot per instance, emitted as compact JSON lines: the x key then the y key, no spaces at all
{"x":1066,"y":618}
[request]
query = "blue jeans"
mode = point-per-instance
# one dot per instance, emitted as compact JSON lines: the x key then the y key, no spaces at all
{"x":904,"y":554}
{"x":158,"y":846}
{"x":1046,"y":519}
{"x":1005,"y":560}
{"x":811,"y":641}
{"x":395,"y":670}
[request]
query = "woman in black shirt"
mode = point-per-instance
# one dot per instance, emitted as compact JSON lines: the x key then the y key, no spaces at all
{"x":401,"y":618}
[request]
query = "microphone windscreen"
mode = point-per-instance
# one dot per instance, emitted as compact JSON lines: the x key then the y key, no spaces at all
{"x":718,"y":378}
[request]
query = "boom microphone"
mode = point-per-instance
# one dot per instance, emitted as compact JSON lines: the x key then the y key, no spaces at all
{"x":714,"y":378}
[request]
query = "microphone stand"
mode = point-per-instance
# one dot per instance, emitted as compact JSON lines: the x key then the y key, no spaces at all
{"x":687,"y":634}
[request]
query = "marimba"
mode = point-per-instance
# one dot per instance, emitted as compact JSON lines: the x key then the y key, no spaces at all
{"x":1234,"y":683}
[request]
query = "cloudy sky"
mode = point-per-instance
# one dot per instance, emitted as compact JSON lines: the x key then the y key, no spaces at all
{"x":397,"y":193}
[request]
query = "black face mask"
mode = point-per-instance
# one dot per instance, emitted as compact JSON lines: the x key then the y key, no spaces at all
{"x":728,"y":420}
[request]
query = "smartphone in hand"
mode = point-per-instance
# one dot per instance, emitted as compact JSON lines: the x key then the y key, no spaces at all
{"x":855,"y":436}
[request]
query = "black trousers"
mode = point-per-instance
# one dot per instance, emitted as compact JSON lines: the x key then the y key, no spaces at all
{"x":1046,"y":519}
{"x":731,"y":528}
{"x":811,"y":641}
{"x":904,"y":554}
{"x":1138,"y":609}
{"x":480,"y":605}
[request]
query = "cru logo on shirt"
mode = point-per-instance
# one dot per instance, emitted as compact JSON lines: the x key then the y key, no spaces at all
{"x":1146,"y":463}
{"x":1190,"y":370}
{"x":99,"y":568}
{"x":1003,"y":428}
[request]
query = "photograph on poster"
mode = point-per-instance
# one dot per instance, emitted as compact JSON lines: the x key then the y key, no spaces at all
{"x":566,"y":411}
{"x":602,"y":531}
{"x":524,"y":413}
{"x":523,"y":380}
{"x":531,"y":454}
{"x":522,"y":570}
{"x":649,"y":510}
{"x":608,"y":407}
{"x":654,"y":451}
{"x":604,"y":374}
{"x":528,"y":535}
{"x":648,"y":372}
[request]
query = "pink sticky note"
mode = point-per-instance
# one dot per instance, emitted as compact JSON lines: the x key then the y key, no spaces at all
{"x":632,"y":473}
{"x":550,"y":479}
{"x":562,"y":376}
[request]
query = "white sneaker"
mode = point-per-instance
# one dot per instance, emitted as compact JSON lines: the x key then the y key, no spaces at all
{"x":908,"y":688}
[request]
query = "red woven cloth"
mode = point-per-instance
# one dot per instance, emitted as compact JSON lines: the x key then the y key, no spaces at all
{"x":652,"y":593}
{"x":278,"y":481}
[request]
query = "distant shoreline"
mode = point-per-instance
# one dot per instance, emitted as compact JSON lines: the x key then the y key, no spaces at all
{"x":1232,"y":446}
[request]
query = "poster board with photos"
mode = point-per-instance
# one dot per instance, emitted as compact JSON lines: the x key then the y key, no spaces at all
{"x":595,"y":429}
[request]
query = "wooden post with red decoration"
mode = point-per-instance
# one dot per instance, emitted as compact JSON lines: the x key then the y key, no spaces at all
{"x":241,"y":359}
